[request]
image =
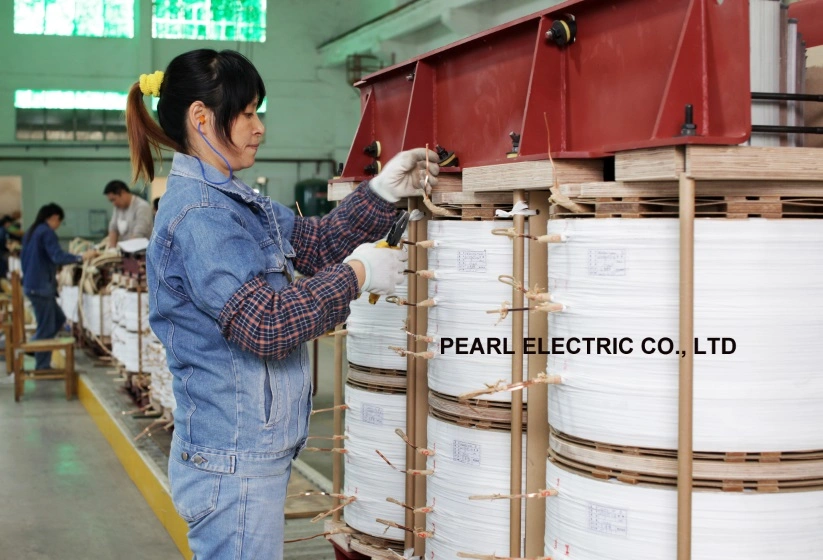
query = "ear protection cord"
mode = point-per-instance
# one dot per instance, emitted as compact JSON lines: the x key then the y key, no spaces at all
{"x":203,"y":169}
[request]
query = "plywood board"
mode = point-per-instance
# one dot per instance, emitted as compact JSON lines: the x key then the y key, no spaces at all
{"x":754,"y":163}
{"x":530,"y":175}
{"x":471,"y":198}
{"x":649,"y":164}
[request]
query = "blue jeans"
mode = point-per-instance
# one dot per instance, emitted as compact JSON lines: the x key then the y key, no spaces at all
{"x":50,"y":319}
{"x":232,"y":501}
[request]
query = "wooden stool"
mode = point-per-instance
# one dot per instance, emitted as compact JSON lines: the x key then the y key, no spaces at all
{"x":21,"y":346}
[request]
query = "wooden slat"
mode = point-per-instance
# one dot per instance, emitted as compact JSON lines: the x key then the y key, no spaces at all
{"x":471,"y":198}
{"x":754,"y":163}
{"x":649,"y":164}
{"x":530,"y":175}
{"x":45,"y":343}
{"x":339,"y":191}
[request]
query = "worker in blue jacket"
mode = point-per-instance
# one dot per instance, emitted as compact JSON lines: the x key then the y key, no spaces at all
{"x":40,"y":256}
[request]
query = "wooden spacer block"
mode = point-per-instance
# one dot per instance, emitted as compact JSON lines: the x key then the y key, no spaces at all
{"x":530,"y":175}
{"x":650,"y":164}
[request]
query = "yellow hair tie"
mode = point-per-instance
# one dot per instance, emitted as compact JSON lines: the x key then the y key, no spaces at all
{"x":150,"y":83}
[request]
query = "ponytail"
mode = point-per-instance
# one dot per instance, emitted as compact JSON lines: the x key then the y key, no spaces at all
{"x":145,"y":136}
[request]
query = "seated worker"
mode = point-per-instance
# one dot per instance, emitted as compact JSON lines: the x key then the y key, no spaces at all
{"x":132,"y":216}
{"x":40,"y":256}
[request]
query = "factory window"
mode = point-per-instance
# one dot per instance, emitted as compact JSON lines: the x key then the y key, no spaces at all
{"x":221,"y":20}
{"x":85,"y":18}
{"x":69,"y":116}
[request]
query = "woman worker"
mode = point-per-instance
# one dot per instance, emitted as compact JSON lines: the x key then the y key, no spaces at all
{"x":223,"y":301}
{"x":39,"y":258}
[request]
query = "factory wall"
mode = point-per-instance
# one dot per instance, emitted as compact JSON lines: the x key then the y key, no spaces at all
{"x":312,"y":112}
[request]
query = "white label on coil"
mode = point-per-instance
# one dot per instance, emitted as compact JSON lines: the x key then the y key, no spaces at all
{"x":471,"y":261}
{"x":608,"y":520}
{"x":607,"y":262}
{"x":372,"y":414}
{"x":466,"y":452}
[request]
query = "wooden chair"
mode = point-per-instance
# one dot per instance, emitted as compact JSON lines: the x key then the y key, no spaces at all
{"x":21,"y":346}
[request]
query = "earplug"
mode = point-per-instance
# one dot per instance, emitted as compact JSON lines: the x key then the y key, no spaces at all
{"x":202,"y":119}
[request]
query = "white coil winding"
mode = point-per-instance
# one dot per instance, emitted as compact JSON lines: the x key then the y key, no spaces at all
{"x":765,"y":22}
{"x":467,"y":462}
{"x":373,"y":328}
{"x":154,"y":363}
{"x":756,"y":281}
{"x":591,"y":519}
{"x":371,"y":420}
{"x":124,"y":347}
{"x":468,"y":260}
{"x":93,"y":304}
{"x":129,"y":319}
{"x":68,"y":302}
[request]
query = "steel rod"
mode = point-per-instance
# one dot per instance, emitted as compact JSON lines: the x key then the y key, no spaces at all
{"x":787,"y":96}
{"x":772,"y":129}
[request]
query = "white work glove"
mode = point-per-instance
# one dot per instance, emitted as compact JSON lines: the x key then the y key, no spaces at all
{"x":384,"y":267}
{"x":405,"y":175}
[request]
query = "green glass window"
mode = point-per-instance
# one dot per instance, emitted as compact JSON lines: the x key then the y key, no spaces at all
{"x":56,"y":99}
{"x":70,"y":116}
{"x":222,"y":20}
{"x":83,"y":18}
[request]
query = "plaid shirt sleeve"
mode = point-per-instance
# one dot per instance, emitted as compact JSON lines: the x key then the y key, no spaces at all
{"x":272,"y":324}
{"x":362,"y":216}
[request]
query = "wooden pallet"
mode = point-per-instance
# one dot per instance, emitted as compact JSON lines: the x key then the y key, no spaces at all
{"x":734,"y":471}
{"x":727,"y":206}
{"x":376,"y":548}
{"x":357,"y":542}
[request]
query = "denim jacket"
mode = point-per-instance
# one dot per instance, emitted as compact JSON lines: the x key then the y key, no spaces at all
{"x":208,"y":241}
{"x":39,"y":258}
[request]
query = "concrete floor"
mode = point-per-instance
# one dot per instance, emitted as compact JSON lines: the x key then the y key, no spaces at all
{"x":63,"y":493}
{"x":71,"y":497}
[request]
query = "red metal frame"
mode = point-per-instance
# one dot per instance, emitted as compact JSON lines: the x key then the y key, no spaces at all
{"x":623,"y":84}
{"x":809,"y":14}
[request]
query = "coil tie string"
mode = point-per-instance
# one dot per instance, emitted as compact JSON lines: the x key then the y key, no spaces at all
{"x":424,"y":509}
{"x":403,"y":352}
{"x":502,"y":387}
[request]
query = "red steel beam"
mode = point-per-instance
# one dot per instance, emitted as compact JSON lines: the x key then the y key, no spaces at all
{"x":809,"y":14}
{"x":622,"y":84}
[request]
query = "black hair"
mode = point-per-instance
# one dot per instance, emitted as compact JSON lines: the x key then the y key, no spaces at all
{"x":45,"y":212}
{"x":226,"y":82}
{"x":5,"y":220}
{"x":115,"y":187}
{"x":156,"y":203}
